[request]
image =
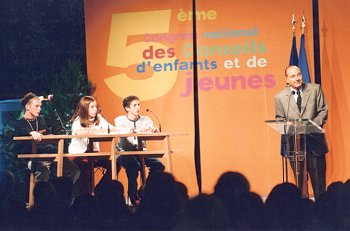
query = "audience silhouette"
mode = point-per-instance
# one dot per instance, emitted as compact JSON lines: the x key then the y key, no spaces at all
{"x":110,"y":208}
{"x":230,"y":188}
{"x":43,"y":214}
{"x":203,"y":212}
{"x":160,"y":204}
{"x":13,"y":213}
{"x":167,"y":206}
{"x":285,"y":209}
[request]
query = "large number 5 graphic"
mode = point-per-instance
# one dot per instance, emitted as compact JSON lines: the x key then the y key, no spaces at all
{"x":121,"y":55}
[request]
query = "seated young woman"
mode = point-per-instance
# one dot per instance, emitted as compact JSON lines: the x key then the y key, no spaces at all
{"x":86,"y":119}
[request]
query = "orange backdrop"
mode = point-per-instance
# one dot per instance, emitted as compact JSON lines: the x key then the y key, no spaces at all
{"x":144,"y":48}
{"x":335,"y":50}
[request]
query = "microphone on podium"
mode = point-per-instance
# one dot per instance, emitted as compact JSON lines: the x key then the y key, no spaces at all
{"x":285,"y":128}
{"x":159,"y":125}
{"x":290,"y":95}
{"x":287,"y":115}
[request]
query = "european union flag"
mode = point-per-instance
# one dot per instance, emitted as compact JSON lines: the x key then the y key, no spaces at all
{"x":293,"y":60}
{"x":304,"y":67}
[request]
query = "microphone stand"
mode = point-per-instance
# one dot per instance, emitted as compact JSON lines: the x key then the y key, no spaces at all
{"x":159,"y":125}
{"x":49,"y":99}
{"x":61,"y":123}
{"x":284,"y":140}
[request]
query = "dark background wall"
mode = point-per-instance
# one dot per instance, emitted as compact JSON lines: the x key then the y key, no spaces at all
{"x":37,"y":38}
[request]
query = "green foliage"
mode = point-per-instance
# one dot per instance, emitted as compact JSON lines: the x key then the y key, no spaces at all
{"x":9,"y":160}
{"x":69,"y":86}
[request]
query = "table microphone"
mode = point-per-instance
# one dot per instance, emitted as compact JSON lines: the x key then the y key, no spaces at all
{"x":160,"y":126}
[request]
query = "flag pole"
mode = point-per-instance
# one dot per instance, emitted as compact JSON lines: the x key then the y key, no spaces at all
{"x":303,"y":23}
{"x":302,"y":63}
{"x":293,"y":60}
{"x":294,"y":22}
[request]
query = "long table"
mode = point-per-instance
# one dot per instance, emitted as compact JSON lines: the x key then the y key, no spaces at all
{"x":112,"y":139}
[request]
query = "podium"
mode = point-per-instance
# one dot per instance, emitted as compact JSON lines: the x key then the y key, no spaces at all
{"x":294,"y":139}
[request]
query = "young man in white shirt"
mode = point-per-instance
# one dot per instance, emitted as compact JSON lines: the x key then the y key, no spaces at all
{"x":133,"y":122}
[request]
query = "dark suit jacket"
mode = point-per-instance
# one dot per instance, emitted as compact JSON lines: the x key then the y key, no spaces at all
{"x":313,"y":107}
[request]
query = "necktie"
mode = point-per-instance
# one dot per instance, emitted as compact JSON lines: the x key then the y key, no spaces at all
{"x":299,"y":100}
